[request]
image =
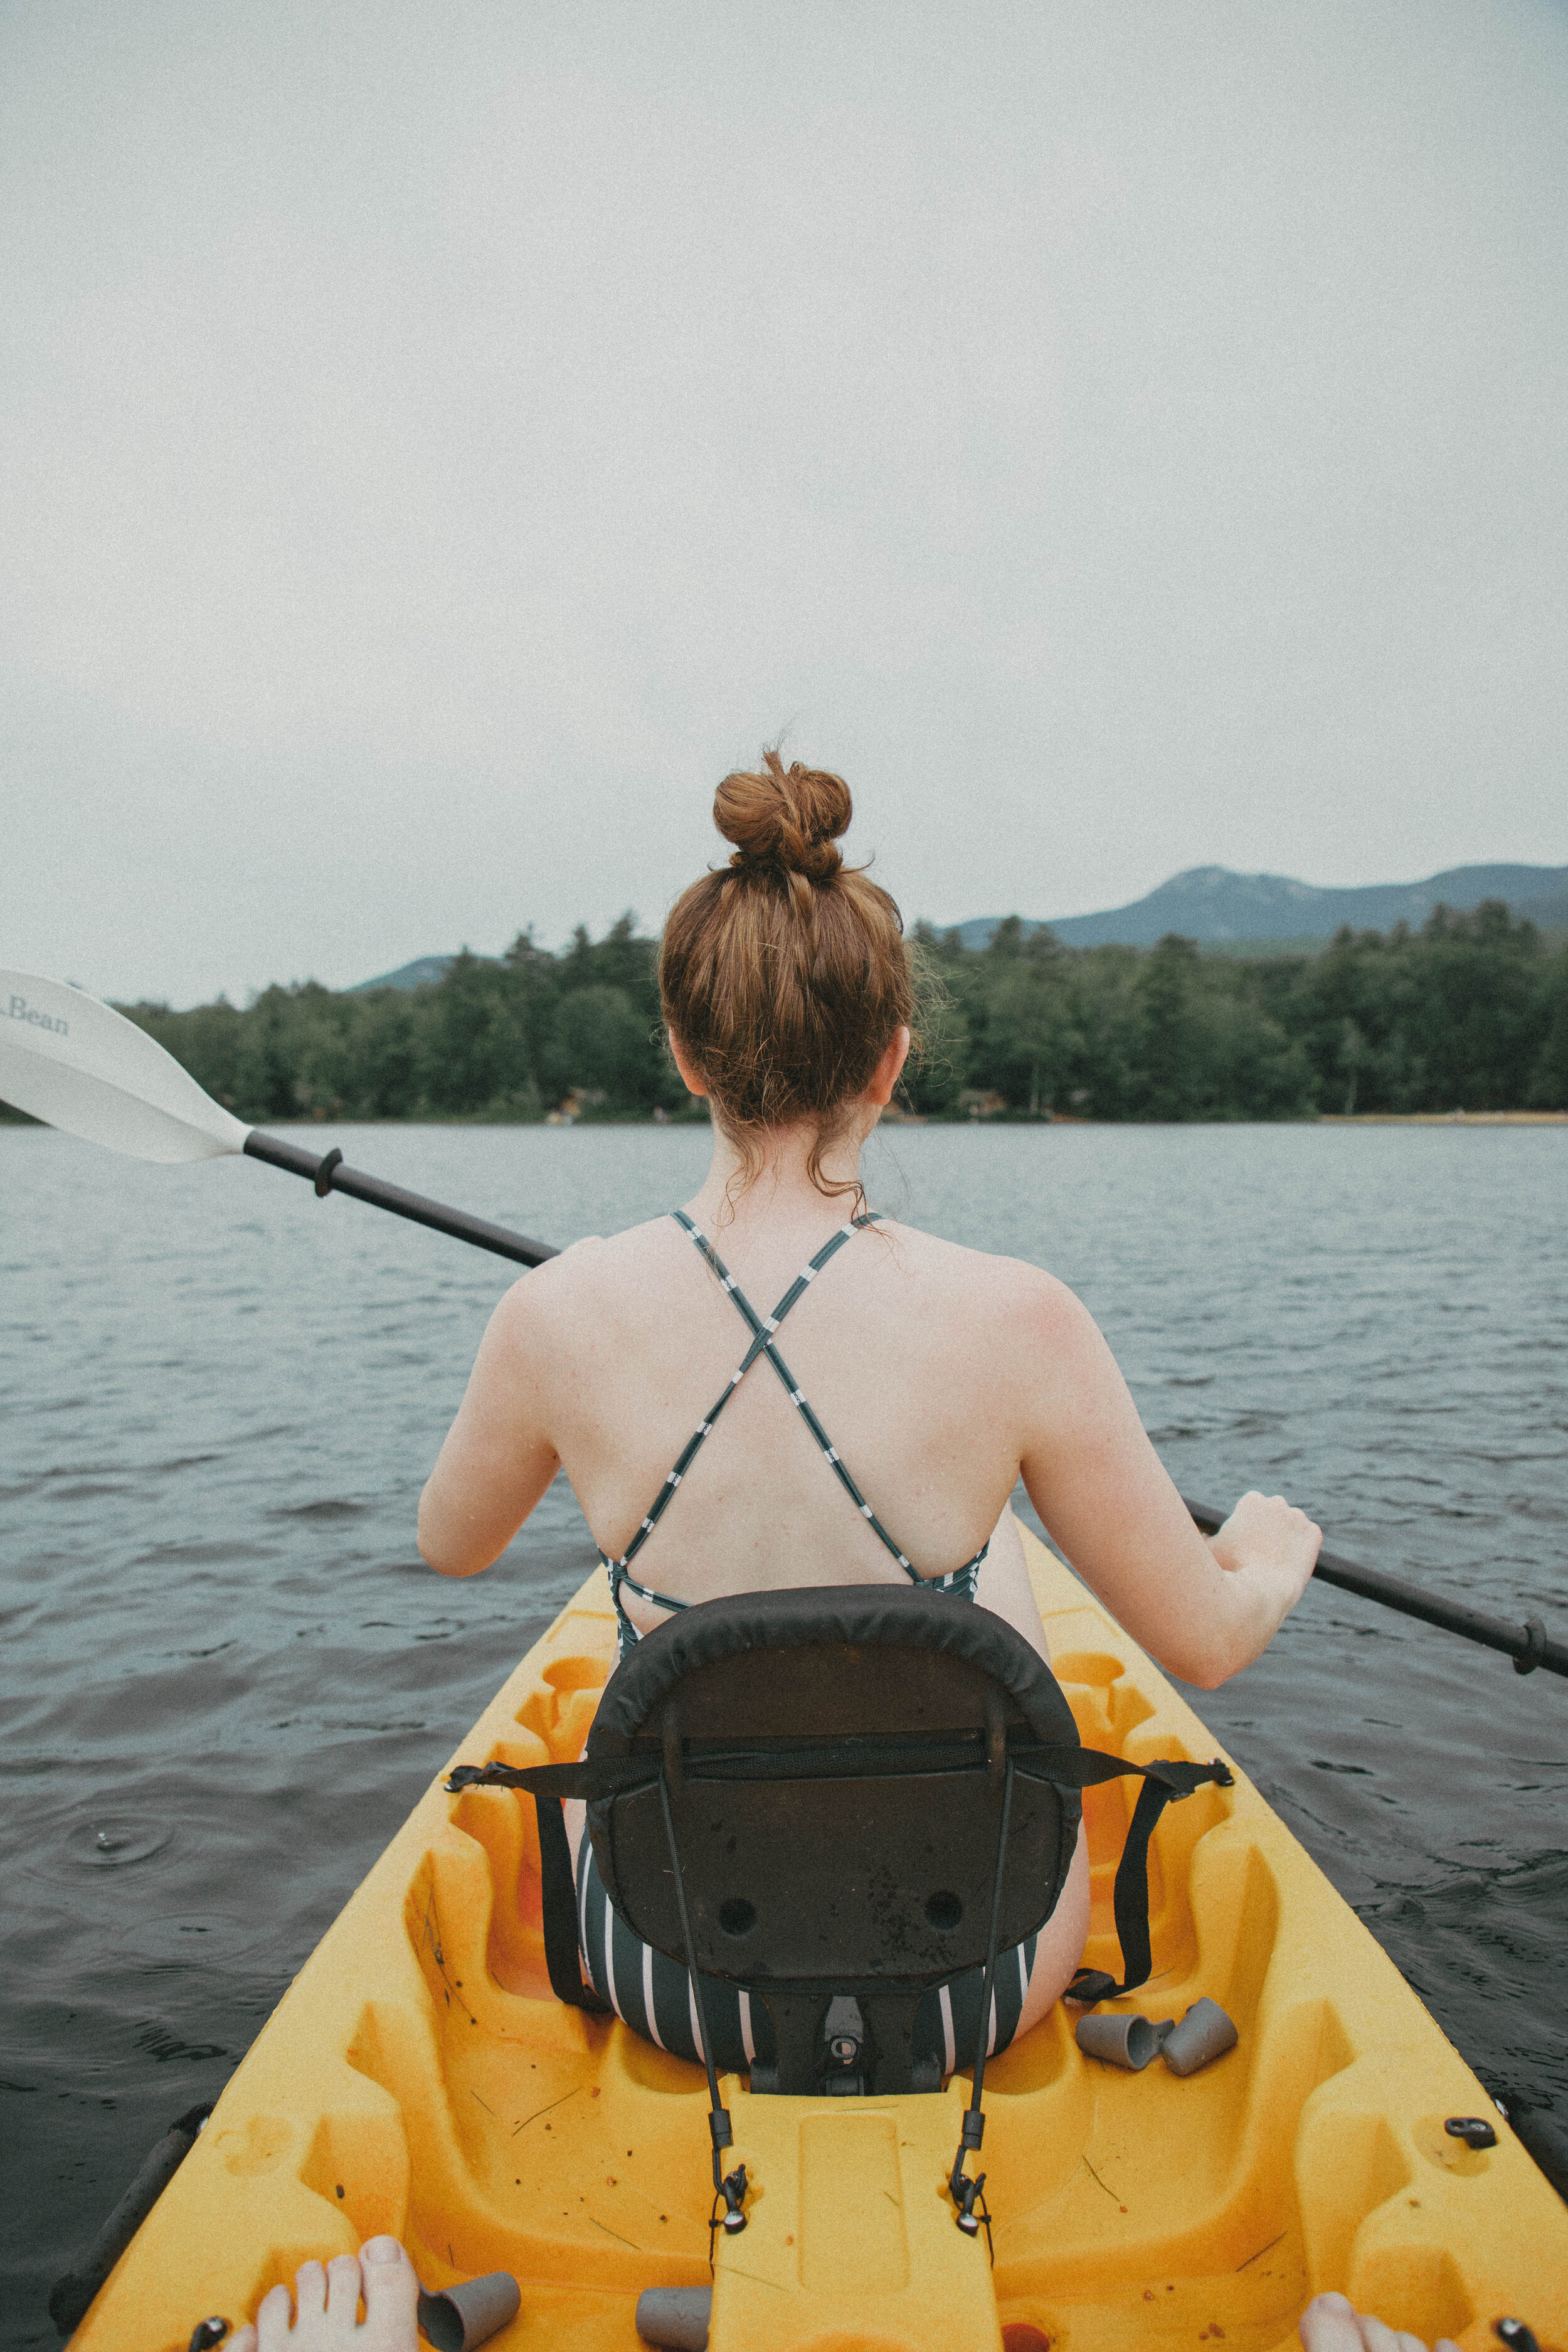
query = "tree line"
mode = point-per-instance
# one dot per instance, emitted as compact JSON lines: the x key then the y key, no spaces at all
{"x":1468,"y":1013}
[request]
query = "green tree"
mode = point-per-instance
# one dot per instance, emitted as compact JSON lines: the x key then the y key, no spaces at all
{"x":1473,"y":1015}
{"x":601,"y":1045}
{"x":1030,"y":1030}
{"x":1548,"y":1088}
{"x":1354,"y":1056}
{"x":474,"y":1048}
{"x":388,"y":1056}
{"x":1170,"y":1063}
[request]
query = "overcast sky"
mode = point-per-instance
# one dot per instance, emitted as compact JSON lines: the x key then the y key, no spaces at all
{"x":436,"y":441}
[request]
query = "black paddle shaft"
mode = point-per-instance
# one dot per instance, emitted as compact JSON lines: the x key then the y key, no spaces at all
{"x":328,"y":1174}
{"x":1526,"y":1644}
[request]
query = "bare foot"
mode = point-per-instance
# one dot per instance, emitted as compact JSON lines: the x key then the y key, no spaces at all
{"x":1330,"y":2323}
{"x":325,"y":2305}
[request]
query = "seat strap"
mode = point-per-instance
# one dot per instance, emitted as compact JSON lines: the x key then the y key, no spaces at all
{"x":1164,"y":1780}
{"x":1131,"y":1902}
{"x":558,"y":1898}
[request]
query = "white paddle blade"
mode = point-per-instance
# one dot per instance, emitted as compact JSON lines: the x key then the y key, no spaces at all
{"x":80,"y":1064}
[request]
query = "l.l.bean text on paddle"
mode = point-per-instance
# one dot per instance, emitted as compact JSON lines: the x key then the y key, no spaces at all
{"x":19,"y":1009}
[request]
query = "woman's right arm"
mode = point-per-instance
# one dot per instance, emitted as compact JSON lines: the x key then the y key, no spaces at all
{"x":1204,"y":1609}
{"x":497,"y":1458}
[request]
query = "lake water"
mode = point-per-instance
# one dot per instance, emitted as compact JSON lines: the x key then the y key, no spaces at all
{"x":228,"y":1676}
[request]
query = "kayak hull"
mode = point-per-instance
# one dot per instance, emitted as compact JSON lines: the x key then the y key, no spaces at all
{"x":418,"y":2078}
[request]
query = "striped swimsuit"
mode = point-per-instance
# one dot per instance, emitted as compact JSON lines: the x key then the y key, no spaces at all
{"x":651,"y":1992}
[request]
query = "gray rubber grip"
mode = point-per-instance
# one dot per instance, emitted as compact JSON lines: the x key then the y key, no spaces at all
{"x":1123,"y":2041}
{"x":461,"y":2316}
{"x":675,"y":2318}
{"x":1204,"y":2034}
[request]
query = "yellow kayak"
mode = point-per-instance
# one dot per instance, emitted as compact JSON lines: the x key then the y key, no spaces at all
{"x":418,"y":2077}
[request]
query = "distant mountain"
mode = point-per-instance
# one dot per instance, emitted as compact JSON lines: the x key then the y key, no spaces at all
{"x":1211,"y":904}
{"x":423,"y":972}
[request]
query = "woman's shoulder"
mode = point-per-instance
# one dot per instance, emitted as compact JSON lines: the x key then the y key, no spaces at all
{"x":1017,"y":1293}
{"x":597,"y":1270}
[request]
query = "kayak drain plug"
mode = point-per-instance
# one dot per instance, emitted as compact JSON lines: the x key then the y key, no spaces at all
{"x":460,"y":2318}
{"x":674,"y":2317}
{"x":1126,"y":2041}
{"x":1205,"y":2034}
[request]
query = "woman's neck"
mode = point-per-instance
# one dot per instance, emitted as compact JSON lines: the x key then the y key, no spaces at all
{"x":775,"y":1185}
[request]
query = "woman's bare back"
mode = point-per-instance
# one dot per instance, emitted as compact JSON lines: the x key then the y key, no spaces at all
{"x":618,"y":1351}
{"x":896,"y":1345}
{"x":941,"y":1374}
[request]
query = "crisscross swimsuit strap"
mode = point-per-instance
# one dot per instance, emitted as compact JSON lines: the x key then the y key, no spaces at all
{"x":959,"y":1581}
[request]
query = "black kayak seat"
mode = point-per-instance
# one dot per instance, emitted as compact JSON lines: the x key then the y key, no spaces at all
{"x":837,"y":1798}
{"x":835,"y":1761}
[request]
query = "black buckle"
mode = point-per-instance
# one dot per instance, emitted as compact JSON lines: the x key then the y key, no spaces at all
{"x":967,"y":2196}
{"x":732,"y":2193}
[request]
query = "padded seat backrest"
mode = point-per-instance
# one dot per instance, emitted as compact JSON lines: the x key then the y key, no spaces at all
{"x":835,"y":1762}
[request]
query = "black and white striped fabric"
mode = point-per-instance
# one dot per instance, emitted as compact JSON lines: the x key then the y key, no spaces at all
{"x":652,"y":1994}
{"x":961,"y":1583}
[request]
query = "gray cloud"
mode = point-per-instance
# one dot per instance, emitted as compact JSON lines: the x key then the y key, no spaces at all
{"x":438,"y":442}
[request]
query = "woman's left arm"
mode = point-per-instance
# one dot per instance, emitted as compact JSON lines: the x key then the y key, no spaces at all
{"x":1205,"y":1610}
{"x":497,"y":1458}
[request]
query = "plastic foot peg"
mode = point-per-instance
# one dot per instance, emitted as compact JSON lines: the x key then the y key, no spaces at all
{"x":460,"y":2317}
{"x":1204,"y":2034}
{"x":674,"y":2317}
{"x":1125,"y":2040}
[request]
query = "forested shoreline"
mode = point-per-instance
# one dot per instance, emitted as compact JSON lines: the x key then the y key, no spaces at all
{"x":1469,"y":1013}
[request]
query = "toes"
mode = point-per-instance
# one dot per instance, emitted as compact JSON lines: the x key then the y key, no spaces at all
{"x":385,"y":2253}
{"x":273,"y":2315}
{"x":1329,"y":2325}
{"x":391,"y":2292}
{"x":1378,"y":2336}
{"x":342,"y":2295}
{"x":310,"y":2291}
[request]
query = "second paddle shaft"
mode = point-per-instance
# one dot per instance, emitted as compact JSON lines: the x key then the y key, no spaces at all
{"x":1526,"y":1644}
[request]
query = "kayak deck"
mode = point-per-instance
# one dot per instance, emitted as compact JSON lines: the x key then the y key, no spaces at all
{"x":418,"y":2077}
